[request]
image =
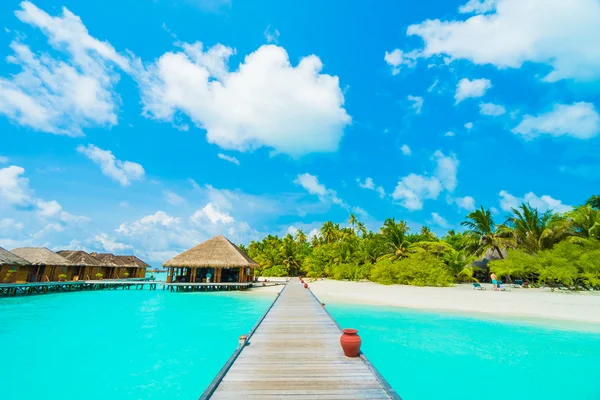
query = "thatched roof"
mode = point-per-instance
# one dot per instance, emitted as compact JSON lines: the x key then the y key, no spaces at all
{"x":40,"y":256}
{"x":217,"y":252}
{"x":132,"y":262}
{"x":107,"y":259}
{"x":8,"y":258}
{"x":79,"y":258}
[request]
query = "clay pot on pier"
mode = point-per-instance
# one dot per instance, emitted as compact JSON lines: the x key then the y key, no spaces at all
{"x":350,"y":342}
{"x":306,"y":286}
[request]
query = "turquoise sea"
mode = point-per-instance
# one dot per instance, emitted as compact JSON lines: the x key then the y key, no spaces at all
{"x":161,"y":345}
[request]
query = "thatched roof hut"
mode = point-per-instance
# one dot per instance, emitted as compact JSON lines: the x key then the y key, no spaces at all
{"x":79,"y":258}
{"x":8,"y":258}
{"x":131,"y":261}
{"x":107,"y":259}
{"x":217,"y":252}
{"x":50,"y":266}
{"x":214,"y":261}
{"x":41,"y":256}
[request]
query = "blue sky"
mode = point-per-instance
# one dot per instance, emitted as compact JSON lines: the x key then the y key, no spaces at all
{"x":147,"y":126}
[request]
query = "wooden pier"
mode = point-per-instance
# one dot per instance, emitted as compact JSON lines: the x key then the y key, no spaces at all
{"x":30,"y":288}
{"x":294,"y":352}
{"x":204,"y":286}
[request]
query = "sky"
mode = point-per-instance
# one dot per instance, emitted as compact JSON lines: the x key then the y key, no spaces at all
{"x":145,"y":127}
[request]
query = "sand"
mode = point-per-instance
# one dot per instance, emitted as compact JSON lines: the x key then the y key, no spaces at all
{"x":530,"y":304}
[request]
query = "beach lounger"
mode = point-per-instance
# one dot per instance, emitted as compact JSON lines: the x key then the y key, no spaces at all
{"x":477,"y":286}
{"x":518,"y":283}
{"x":503,"y":288}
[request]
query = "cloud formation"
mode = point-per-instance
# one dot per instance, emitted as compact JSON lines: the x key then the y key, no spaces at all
{"x":123,"y":172}
{"x":578,"y":120}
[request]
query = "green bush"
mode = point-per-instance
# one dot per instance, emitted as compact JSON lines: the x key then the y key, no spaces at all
{"x":419,"y":269}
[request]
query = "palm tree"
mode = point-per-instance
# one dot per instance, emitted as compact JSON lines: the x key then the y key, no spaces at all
{"x":534,"y":230}
{"x":361,"y":228}
{"x":594,"y":202}
{"x":395,"y":236}
{"x":481,"y":227}
{"x":585,"y":221}
{"x":352,"y":220}
{"x":329,"y":232}
{"x":300,"y":236}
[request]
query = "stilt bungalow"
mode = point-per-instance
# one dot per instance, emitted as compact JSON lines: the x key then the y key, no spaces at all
{"x":132,"y":266}
{"x":88,"y":265}
{"x":14,"y":269}
{"x":215,"y":261}
{"x":49,"y":265}
{"x":110,"y":263}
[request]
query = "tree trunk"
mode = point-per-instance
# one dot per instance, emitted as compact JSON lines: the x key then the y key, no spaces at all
{"x":499,"y":252}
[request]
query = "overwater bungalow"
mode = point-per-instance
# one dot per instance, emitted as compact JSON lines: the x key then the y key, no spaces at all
{"x":132,"y":266}
{"x":14,"y":269}
{"x":88,"y":265}
{"x":215,"y":261}
{"x":49,"y":266}
{"x":111,"y":264}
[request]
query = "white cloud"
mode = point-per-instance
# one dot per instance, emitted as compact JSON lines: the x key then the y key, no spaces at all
{"x":471,"y":88}
{"x":466,"y":203}
{"x":272,"y":36}
{"x":543,"y":203}
{"x":437,"y":219}
{"x":312,"y":185}
{"x":433,"y":86}
{"x":469,"y":126}
{"x":449,"y":134}
{"x":478,"y":6}
{"x":173,"y":198}
{"x":4,"y":160}
{"x":519,"y":31}
{"x":15,"y":192}
{"x":160,"y":236}
{"x":397,"y":58}
{"x":265,"y":102}
{"x":110,"y":244}
{"x":61,"y":95}
{"x":446,"y":170}
{"x":406,"y":150}
{"x":212,"y":213}
{"x":14,"y":189}
{"x":7,"y":225}
{"x":413,"y":189}
{"x":369,"y":184}
{"x":417,"y":103}
{"x":228,"y":158}
{"x":579,"y":120}
{"x":491,"y":109}
{"x":123,"y":172}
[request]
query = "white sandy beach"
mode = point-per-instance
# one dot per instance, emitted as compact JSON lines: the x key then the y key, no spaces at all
{"x":523,"y":304}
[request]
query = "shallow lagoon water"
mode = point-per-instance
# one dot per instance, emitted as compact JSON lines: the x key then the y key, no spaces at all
{"x":426,"y":355}
{"x":160,"y":345}
{"x":120,"y":344}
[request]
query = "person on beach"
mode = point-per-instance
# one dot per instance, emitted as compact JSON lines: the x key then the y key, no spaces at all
{"x":494,"y":281}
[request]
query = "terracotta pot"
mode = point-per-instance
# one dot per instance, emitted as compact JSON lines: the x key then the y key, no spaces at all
{"x":350,"y":342}
{"x":306,"y":286}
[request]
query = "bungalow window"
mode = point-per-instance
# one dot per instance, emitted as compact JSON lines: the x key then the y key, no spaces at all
{"x":230,"y":275}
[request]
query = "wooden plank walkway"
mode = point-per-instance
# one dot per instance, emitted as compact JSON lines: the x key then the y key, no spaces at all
{"x":295,"y":353}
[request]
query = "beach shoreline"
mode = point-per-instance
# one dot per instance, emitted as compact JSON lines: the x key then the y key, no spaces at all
{"x":580,"y":311}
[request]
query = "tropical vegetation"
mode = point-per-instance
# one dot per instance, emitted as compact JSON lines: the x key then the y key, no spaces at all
{"x":540,"y":247}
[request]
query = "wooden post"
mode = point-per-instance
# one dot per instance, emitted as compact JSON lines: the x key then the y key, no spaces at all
{"x":193,"y":275}
{"x":217,"y":277}
{"x":241,"y":275}
{"x":170,"y":274}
